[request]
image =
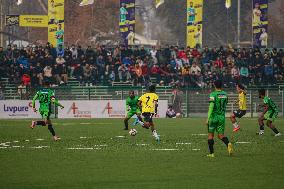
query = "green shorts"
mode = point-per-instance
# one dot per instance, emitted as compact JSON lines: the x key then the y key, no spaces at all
{"x":271,"y":116}
{"x":217,"y":123}
{"x":45,"y":112}
{"x":131,"y":113}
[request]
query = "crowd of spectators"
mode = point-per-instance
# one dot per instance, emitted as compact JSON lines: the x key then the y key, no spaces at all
{"x":170,"y":65}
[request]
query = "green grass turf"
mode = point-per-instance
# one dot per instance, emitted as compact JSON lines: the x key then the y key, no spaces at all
{"x":124,"y":164}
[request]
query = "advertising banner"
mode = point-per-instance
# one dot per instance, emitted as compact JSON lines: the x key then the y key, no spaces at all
{"x":260,"y":23}
{"x":194,"y":23}
{"x":101,"y":109}
{"x":12,"y":20}
{"x":15,"y":109}
{"x":33,"y":21}
{"x":127,"y":21}
{"x":56,"y":22}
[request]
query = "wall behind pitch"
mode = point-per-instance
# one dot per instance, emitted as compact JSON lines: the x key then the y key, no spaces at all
{"x":100,"y":109}
{"x":15,"y":109}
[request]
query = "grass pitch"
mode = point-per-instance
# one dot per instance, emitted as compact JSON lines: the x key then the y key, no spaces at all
{"x":97,"y":153}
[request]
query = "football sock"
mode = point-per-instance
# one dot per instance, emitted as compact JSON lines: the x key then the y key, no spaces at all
{"x":126,"y":124}
{"x":155,"y":134}
{"x":275,"y":130}
{"x":140,"y":121}
{"x":261,"y":127}
{"x":50,"y":128}
{"x":210,"y":145}
{"x":236,"y":125}
{"x":42,"y":123}
{"x":225,"y":140}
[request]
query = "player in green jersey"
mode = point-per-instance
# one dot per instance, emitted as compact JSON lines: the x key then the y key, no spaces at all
{"x":269,"y":114}
{"x":216,"y":118}
{"x":45,"y":97}
{"x":132,"y":109}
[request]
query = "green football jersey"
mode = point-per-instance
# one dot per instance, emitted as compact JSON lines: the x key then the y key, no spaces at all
{"x":220,"y":100}
{"x":45,"y":97}
{"x":132,"y":103}
{"x":272,"y":107}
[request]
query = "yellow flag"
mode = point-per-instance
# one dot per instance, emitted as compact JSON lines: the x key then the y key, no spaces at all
{"x":228,"y":4}
{"x":159,"y":3}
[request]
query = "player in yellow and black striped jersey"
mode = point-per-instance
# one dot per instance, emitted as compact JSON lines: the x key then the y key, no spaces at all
{"x":149,"y":104}
{"x":242,"y":101}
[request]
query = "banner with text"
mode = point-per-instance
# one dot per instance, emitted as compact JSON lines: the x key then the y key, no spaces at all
{"x":260,"y":23}
{"x":127,"y":21}
{"x":12,"y":20}
{"x":194,"y":23}
{"x":17,"y":109}
{"x":56,"y":22}
{"x":33,"y":20}
{"x":101,"y":109}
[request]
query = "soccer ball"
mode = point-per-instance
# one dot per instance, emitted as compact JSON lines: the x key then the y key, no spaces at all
{"x":133,"y":132}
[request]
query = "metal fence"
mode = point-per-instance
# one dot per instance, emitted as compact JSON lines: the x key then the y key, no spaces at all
{"x":191,"y":102}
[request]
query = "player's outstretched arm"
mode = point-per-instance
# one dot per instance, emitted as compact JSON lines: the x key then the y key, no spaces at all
{"x":33,"y":102}
{"x":56,"y":102}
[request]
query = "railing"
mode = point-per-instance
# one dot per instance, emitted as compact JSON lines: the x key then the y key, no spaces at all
{"x":191,"y":102}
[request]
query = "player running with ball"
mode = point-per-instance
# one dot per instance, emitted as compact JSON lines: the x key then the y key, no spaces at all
{"x":149,"y":104}
{"x":269,"y":114}
{"x":132,"y":109}
{"x":216,"y":118}
{"x":45,"y":97}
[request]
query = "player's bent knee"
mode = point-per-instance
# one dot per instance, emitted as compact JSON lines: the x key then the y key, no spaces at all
{"x":220,"y":136}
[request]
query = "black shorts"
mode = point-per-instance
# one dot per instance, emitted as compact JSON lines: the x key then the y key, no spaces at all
{"x":148,"y":117}
{"x":239,"y":113}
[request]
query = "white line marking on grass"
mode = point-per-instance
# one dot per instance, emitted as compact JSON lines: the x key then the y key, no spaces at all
{"x":85,"y":123}
{"x":195,"y":149}
{"x":15,"y":141}
{"x":16,"y":146}
{"x":120,"y":136}
{"x":142,"y":144}
{"x":39,"y":147}
{"x":183,"y":143}
{"x":83,"y":148}
{"x":27,"y":140}
{"x":165,"y":149}
{"x":8,"y":142}
{"x":243,"y":142}
{"x":83,"y":137}
{"x":4,"y":144}
{"x":101,"y":145}
{"x":199,"y":134}
{"x":40,"y":139}
{"x":67,"y":123}
{"x":3,"y":147}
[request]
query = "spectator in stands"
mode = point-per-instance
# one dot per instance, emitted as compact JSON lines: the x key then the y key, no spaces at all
{"x":74,"y":52}
{"x":60,"y":60}
{"x":87,"y":74}
{"x":47,"y":74}
{"x":78,"y":73}
{"x":56,"y":72}
{"x":153,"y":54}
{"x":22,"y":91}
{"x":244,"y":75}
{"x":60,"y":51}
{"x":122,"y":72}
{"x":156,"y":73}
{"x":235,"y":72}
{"x":26,"y":80}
